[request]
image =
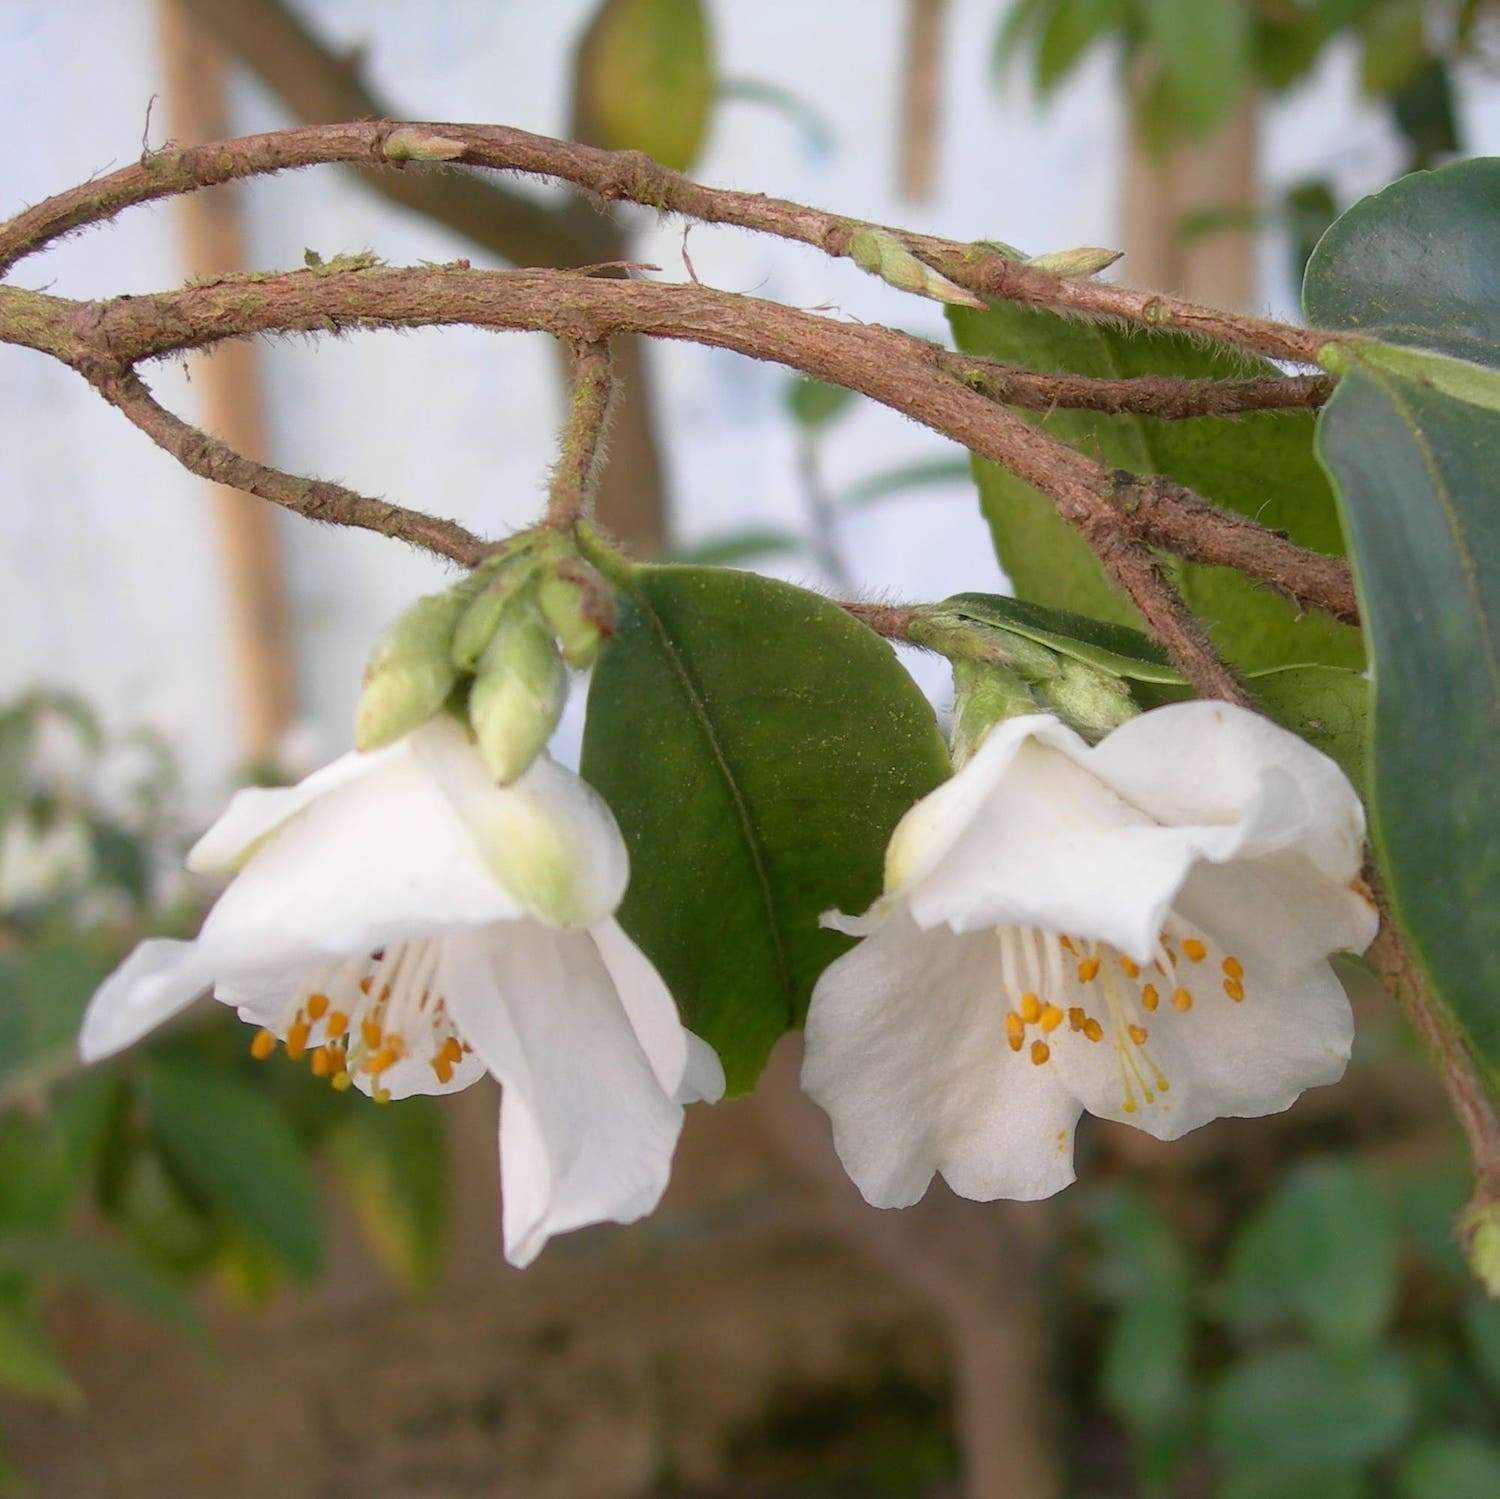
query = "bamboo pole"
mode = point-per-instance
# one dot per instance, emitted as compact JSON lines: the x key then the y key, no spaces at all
{"x":229,"y":392}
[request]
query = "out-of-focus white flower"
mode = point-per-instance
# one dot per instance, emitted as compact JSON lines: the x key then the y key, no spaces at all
{"x":1140,"y":929}
{"x":405,"y":925}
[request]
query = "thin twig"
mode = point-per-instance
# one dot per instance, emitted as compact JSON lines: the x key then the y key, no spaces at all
{"x":581,"y":451}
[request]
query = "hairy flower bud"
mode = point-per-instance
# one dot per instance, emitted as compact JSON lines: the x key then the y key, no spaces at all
{"x":579,"y":606}
{"x":1086,"y":260}
{"x":506,"y":581}
{"x":409,"y":674}
{"x":518,"y":692}
{"x":881,"y":254}
{"x":1086,"y":698}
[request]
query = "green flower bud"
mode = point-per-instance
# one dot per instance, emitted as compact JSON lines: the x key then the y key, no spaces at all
{"x":882,"y":254}
{"x":1086,"y":698}
{"x":518,"y":692}
{"x":510,"y":575}
{"x":411,"y":144}
{"x":1086,"y":260}
{"x":1480,"y":1232}
{"x":579,"y":606}
{"x":409,"y":674}
{"x":984,"y":695}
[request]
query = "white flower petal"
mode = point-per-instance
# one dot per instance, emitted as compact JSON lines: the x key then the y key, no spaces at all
{"x":255,"y":812}
{"x":549,"y":838}
{"x":687,"y":1068}
{"x":906,"y":1052}
{"x":1212,"y":763}
{"x":586,"y":1132}
{"x":382,"y":858}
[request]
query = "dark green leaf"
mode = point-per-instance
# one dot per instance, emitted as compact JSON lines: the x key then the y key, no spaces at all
{"x":394,"y":1166}
{"x":1308,"y":208}
{"x":1416,"y":472}
{"x":1482,"y":1327}
{"x":45,"y":986}
{"x":1329,"y":706}
{"x":1455,"y":1465}
{"x":1261,"y":465}
{"x":1322,"y":1250}
{"x":1424,"y":113}
{"x":785,"y":742}
{"x":645,"y":79}
{"x":1394,"y":46}
{"x":106,"y":1269}
{"x":28,"y":1366}
{"x":1277,"y":1483}
{"x":1300,"y":1411}
{"x":1022,"y":17}
{"x":238,"y":1152}
{"x":1416,"y":264}
{"x":1202,"y":56}
{"x":731,"y":547}
{"x":1072,"y":27}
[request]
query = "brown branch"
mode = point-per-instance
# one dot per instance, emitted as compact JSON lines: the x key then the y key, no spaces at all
{"x":581,"y":452}
{"x":1158,"y":396}
{"x":889,"y":367}
{"x":629,"y":176}
{"x":317,"y":499}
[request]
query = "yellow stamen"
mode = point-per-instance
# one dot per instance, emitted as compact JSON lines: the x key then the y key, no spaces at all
{"x":1131,"y":967}
{"x":340,"y":1081}
{"x":1052,"y":1017}
{"x":1088,"y":968}
{"x":443,"y":1068}
{"x":1149,"y":997}
{"x":1040,"y":1051}
{"x":1015,"y":1030}
{"x":380,"y":1095}
{"x":1181,"y":999}
{"x":296,"y":1038}
{"x":1138,"y":1034}
{"x":1076,"y":1018}
{"x":338,"y":1022}
{"x":317,"y":1004}
{"x":1066,"y":943}
{"x":1031,"y":1008}
{"x":364,"y":984}
{"x":263,"y":1045}
{"x":1234,"y":989}
{"x":370,"y":1031}
{"x":1233,"y":968}
{"x":320,"y":1062}
{"x":1194,"y":949}
{"x":1093,"y":1030}
{"x":451,"y":1051}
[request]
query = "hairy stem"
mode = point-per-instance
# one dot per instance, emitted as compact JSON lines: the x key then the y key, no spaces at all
{"x":581,"y":452}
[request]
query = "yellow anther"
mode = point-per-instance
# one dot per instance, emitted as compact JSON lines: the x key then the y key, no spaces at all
{"x":1031,"y":1008}
{"x":296,"y":1039}
{"x":1149,"y":997}
{"x":317,"y":1005}
{"x":371,"y":1032}
{"x":443,"y":1068}
{"x":1052,"y":1017}
{"x":1130,"y":1105}
{"x":263,"y":1045}
{"x":1233,"y":968}
{"x":1066,"y":943}
{"x":380,"y":1095}
{"x":378,"y":1061}
{"x":320,"y":1062}
{"x":1076,"y":1018}
{"x":1093,"y":1030}
{"x":364,"y":984}
{"x":1181,"y":999}
{"x":451,"y":1051}
{"x":1088,"y":969}
{"x":1234,"y":989}
{"x":338,"y":1022}
{"x":1015,"y":1030}
{"x":1138,"y":1034}
{"x":340,"y":1081}
{"x":1040,"y":1051}
{"x":1131,"y":967}
{"x":1194,"y":949}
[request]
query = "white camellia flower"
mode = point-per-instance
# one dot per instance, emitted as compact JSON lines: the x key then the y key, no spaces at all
{"x":405,"y":924}
{"x":1140,"y":929}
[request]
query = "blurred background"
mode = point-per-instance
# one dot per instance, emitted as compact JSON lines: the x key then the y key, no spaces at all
{"x":216,"y":1278}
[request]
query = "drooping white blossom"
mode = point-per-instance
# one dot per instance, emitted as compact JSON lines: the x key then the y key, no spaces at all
{"x":1140,"y":929}
{"x":405,"y":925}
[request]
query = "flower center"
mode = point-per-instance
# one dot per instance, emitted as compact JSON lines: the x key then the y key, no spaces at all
{"x":1050,"y":979}
{"x":363,"y":1016}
